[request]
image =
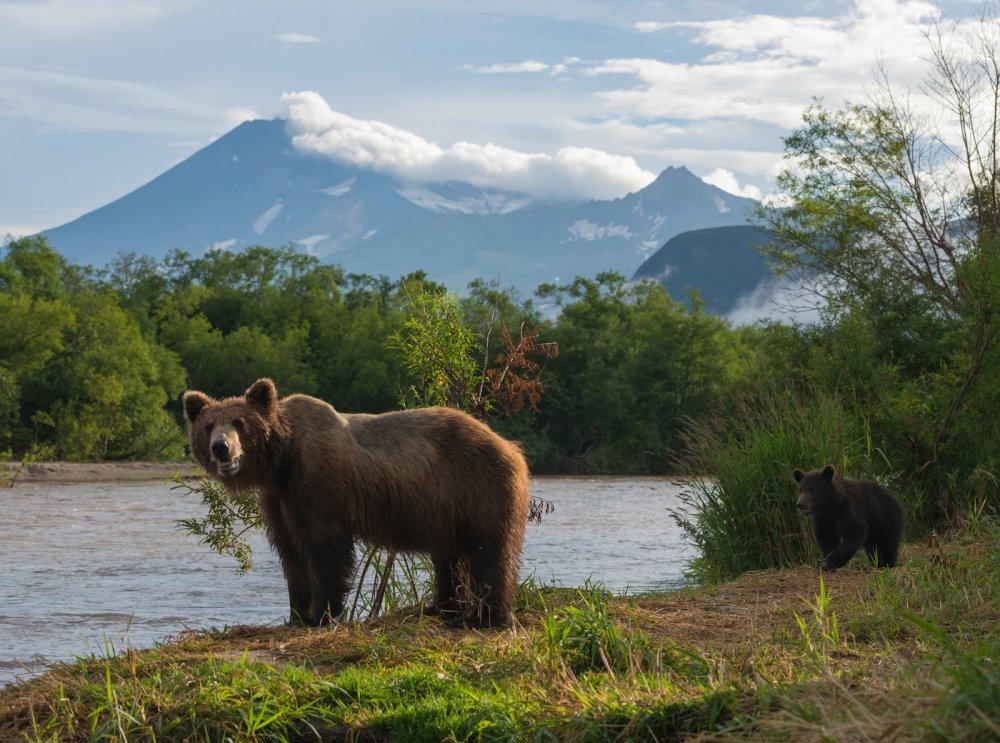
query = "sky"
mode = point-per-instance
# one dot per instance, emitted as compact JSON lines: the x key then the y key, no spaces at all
{"x":582,"y":99}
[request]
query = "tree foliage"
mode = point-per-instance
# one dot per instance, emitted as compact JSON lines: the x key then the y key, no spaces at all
{"x":633,"y":363}
{"x":893,"y":220}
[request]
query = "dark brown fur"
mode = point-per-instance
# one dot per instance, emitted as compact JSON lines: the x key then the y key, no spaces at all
{"x":848,"y":515}
{"x":430,"y":480}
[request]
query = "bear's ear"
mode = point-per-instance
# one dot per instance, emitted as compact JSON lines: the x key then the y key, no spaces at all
{"x":262,"y":396}
{"x":798,"y":474}
{"x":828,"y":472}
{"x":193,"y":404}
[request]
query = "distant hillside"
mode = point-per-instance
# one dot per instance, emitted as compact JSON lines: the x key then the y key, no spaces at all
{"x":252,"y":186}
{"x":722,"y":262}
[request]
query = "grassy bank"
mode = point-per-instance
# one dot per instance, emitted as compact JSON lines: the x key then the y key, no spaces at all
{"x":785,"y":654}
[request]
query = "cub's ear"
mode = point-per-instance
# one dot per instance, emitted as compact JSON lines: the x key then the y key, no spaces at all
{"x":262,"y":396}
{"x":798,"y":474}
{"x":193,"y":404}
{"x":828,"y":472}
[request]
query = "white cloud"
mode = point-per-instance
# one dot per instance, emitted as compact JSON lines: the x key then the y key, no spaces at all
{"x":294,"y":38}
{"x":30,"y":221}
{"x":18,"y":229}
{"x":529,"y":65}
{"x":80,"y":17}
{"x":726,"y":180}
{"x":775,"y":299}
{"x":767,"y":68}
{"x":572,"y":172}
{"x":236,"y":115}
{"x":74,"y":102}
{"x":648,"y":27}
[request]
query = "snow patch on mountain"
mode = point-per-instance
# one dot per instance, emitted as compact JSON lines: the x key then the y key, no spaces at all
{"x":720,"y":204}
{"x":264,"y":220}
{"x":584,"y":229}
{"x":340,"y":189}
{"x":484,"y":203}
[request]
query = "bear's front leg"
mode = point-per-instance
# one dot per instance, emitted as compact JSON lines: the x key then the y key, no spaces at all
{"x":842,"y":555}
{"x":827,"y":535}
{"x":854,"y":535}
{"x":331,"y":566}
{"x":299,"y":592}
{"x":293,"y":563}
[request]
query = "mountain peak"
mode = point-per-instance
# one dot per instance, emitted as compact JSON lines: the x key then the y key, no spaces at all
{"x":252,"y":186}
{"x":676,"y":178}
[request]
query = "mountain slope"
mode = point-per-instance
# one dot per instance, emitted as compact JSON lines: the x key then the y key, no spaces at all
{"x":723,"y":263}
{"x":252,"y":186}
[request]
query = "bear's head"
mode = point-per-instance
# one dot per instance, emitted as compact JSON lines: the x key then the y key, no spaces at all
{"x":817,"y":493}
{"x":232,"y":436}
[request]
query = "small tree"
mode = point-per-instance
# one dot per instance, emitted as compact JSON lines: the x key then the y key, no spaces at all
{"x":895,"y":209}
{"x":452,"y":364}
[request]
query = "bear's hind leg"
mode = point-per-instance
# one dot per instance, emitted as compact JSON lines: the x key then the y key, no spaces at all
{"x":493,"y":587}
{"x":888,"y":551}
{"x":450,"y":584}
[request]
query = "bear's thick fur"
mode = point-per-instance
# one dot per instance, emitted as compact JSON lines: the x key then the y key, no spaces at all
{"x":848,"y":515}
{"x":430,"y":480}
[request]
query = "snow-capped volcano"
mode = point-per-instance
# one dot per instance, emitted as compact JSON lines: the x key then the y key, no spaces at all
{"x":252,"y":186}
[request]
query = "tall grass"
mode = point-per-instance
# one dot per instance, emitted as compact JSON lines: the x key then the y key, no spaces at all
{"x":739,"y":504}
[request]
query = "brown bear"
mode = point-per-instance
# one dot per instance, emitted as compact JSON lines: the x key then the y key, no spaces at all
{"x":848,"y":515}
{"x":429,"y":480}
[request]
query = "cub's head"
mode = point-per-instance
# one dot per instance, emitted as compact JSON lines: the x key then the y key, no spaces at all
{"x":231,"y":436}
{"x":816,"y":490}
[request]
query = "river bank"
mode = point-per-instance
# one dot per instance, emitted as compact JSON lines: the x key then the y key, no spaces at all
{"x":12,"y":473}
{"x":906,"y":654}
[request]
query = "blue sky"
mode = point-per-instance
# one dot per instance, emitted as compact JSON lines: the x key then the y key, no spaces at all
{"x":559,"y":98}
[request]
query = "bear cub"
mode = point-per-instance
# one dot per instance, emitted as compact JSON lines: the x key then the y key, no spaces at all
{"x":429,"y":480}
{"x":848,"y":515}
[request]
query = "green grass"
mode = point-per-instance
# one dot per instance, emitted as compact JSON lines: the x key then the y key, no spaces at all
{"x":787,"y":654}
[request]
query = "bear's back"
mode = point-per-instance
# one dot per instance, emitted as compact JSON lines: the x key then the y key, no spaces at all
{"x":422,"y":435}
{"x":872,"y":502}
{"x":417,"y":445}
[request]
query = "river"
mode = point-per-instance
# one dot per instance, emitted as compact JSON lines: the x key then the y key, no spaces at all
{"x":89,"y":568}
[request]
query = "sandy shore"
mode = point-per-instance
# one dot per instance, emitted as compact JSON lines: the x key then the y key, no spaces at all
{"x":92,"y":471}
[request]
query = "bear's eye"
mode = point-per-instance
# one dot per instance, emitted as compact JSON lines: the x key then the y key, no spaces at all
{"x":238,"y":424}
{"x":208,"y":428}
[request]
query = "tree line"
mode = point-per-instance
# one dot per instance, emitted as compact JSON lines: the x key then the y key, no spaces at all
{"x":93,"y":361}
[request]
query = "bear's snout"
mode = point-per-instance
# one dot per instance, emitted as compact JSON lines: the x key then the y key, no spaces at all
{"x":226,"y":450}
{"x":804,"y":508}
